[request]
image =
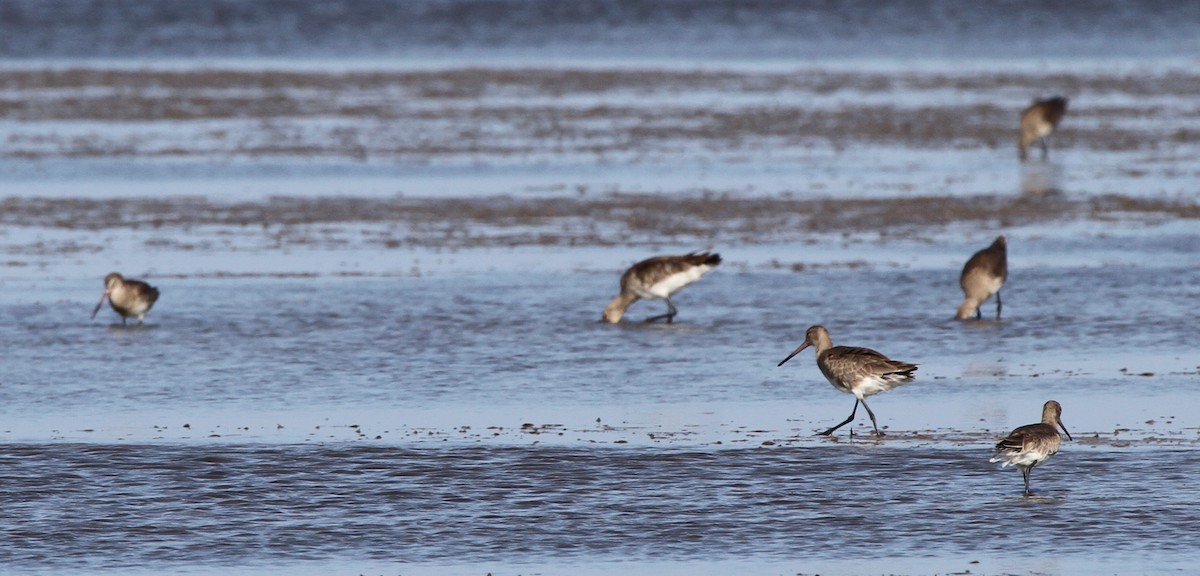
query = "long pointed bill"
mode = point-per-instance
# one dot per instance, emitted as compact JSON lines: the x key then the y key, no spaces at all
{"x":793,"y":354}
{"x":99,"y":304}
{"x":1064,"y":429}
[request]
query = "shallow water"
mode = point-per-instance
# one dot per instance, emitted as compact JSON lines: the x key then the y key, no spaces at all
{"x":489,"y":420}
{"x":545,"y":29}
{"x":383,"y":258}
{"x":172,"y":506}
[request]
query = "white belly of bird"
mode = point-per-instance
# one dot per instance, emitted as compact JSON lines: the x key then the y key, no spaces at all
{"x":869,"y":385}
{"x":993,"y":284}
{"x":668,"y":286}
{"x":1044,"y":129}
{"x":1026,"y":459}
{"x":139,"y":308}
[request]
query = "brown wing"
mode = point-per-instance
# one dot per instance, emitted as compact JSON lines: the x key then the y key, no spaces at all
{"x":1012,"y":443}
{"x":1054,"y":109}
{"x":653,"y":270}
{"x":993,"y":260}
{"x":143,"y":291}
{"x":846,"y":359}
{"x":1016,"y":440}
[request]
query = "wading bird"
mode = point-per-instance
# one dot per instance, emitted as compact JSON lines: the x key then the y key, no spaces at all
{"x":1032,"y":444}
{"x":859,"y":371}
{"x":1038,"y":121}
{"x":129,"y":298}
{"x":982,"y":276}
{"x":659,"y":278}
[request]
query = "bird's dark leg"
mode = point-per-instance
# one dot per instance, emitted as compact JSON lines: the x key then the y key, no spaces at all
{"x":670,"y":315}
{"x":999,"y":305}
{"x":1025,"y":473}
{"x":124,"y":321}
{"x":847,"y":421}
{"x":1045,"y":149}
{"x":978,"y":314}
{"x":872,"y":415}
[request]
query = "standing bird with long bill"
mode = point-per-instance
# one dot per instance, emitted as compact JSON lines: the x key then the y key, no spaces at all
{"x":1032,"y":444}
{"x":859,"y":371}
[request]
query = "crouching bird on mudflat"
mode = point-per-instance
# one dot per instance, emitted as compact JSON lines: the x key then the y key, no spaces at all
{"x":129,"y":298}
{"x":658,"y":278}
{"x":982,"y":276}
{"x":859,"y":371}
{"x":1032,"y":444}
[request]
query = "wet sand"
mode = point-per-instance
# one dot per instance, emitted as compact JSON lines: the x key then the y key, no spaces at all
{"x":572,"y":157}
{"x":600,"y":220}
{"x":497,"y":114}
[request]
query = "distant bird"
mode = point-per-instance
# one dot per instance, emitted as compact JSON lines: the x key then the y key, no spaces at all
{"x":859,"y":371}
{"x":1038,"y":121}
{"x":129,"y":298}
{"x":982,"y":276}
{"x":659,"y":278}
{"x":1032,"y":444}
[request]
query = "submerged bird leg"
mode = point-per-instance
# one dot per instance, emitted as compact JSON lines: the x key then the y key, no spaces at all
{"x":978,"y":313}
{"x":670,"y":315}
{"x":847,"y":421}
{"x":872,"y":415}
{"x":1025,"y":472}
{"x":999,"y":305}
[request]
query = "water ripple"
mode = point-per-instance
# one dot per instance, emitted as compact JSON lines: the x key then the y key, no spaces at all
{"x":66,"y":504}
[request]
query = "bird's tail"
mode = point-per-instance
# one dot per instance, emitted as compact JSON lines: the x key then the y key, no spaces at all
{"x":704,"y":258}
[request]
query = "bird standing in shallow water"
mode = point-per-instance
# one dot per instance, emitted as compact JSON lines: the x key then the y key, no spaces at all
{"x":1038,"y":121}
{"x":1030,"y":445}
{"x":129,"y":298}
{"x":859,"y":371}
{"x":983,"y":275}
{"x":658,"y":278}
